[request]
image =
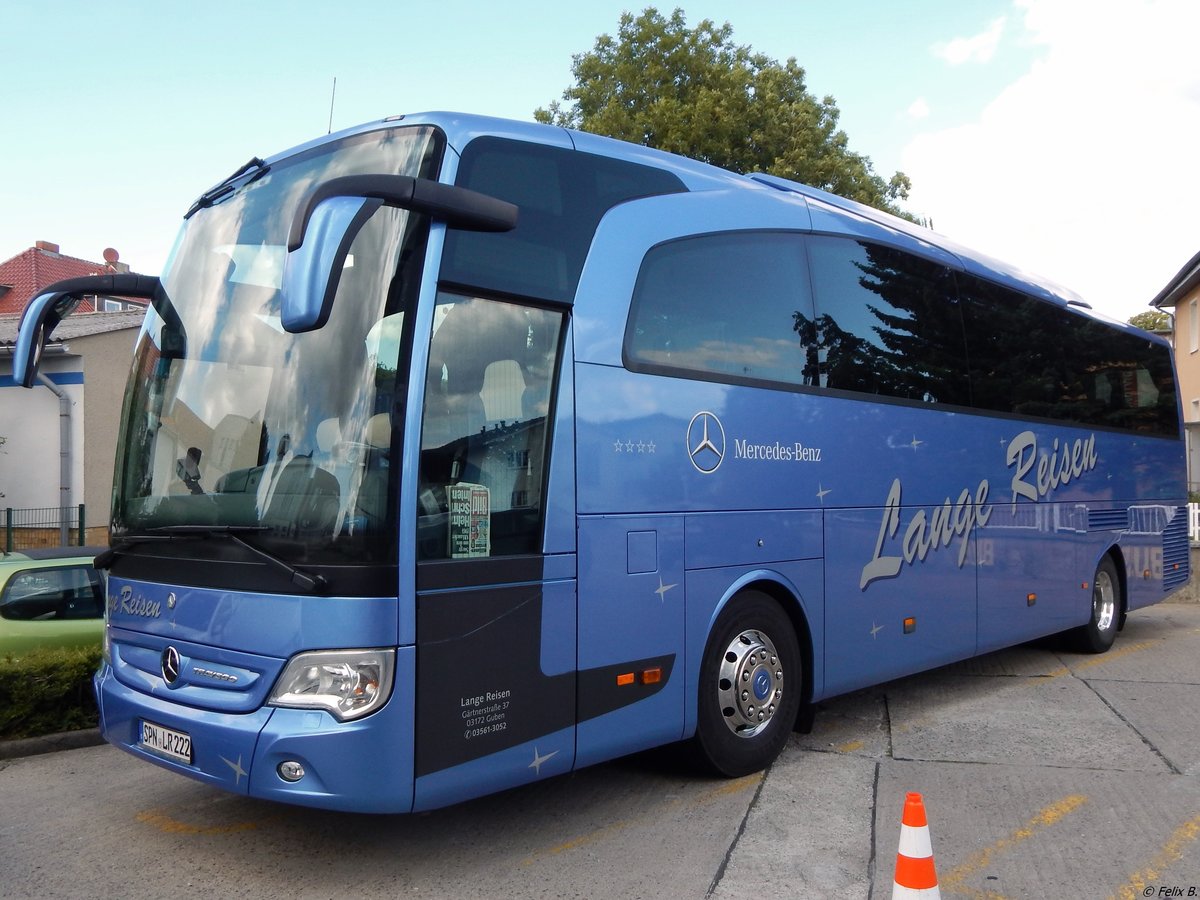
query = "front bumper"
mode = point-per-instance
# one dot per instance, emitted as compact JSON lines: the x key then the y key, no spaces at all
{"x":361,"y":766}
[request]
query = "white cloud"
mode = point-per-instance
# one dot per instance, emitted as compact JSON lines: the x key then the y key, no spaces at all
{"x":979,"y":48}
{"x":1084,"y":169}
{"x":919,"y":109}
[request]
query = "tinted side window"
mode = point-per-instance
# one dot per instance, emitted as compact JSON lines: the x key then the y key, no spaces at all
{"x":71,"y":592}
{"x":887,"y":322}
{"x":733,"y":305}
{"x":1019,"y":354}
{"x":1031,"y":358}
{"x":561,"y":194}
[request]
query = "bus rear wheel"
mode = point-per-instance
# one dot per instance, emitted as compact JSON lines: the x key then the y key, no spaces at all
{"x":1101,"y":630}
{"x":750,"y":686}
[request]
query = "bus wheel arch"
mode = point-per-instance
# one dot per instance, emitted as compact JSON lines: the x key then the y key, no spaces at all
{"x":753,"y":682}
{"x":1108,"y":606}
{"x":792,"y":608}
{"x":1118,"y":558}
{"x":791,"y":605}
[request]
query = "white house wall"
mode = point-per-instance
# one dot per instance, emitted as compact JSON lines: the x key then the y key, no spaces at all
{"x":30,"y":461}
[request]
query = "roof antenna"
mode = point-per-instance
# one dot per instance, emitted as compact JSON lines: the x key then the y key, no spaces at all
{"x":332,"y":97}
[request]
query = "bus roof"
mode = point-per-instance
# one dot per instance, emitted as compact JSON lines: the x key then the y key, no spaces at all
{"x":834,"y":211}
{"x":970,"y":260}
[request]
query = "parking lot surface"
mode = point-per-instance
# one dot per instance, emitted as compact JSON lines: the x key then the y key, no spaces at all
{"x":1044,"y":774}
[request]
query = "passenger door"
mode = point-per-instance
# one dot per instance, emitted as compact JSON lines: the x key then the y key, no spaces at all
{"x":495,"y":692}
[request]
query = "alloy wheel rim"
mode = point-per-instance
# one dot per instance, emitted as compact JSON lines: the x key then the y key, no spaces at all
{"x":749,"y":683}
{"x":1104,"y":602}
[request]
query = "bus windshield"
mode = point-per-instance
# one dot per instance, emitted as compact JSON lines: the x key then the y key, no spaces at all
{"x":232,"y":423}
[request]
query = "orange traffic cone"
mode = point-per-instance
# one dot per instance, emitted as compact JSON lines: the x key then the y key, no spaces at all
{"x":915,"y":876}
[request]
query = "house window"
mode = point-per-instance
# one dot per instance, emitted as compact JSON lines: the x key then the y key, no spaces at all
{"x":113,"y":305}
{"x":1193,"y":326}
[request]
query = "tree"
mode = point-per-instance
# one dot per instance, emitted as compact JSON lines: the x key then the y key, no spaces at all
{"x":1152,"y":320}
{"x":696,"y":93}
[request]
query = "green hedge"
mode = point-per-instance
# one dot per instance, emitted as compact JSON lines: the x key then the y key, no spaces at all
{"x":47,"y":691}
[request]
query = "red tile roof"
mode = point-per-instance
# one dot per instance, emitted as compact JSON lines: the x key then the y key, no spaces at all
{"x":22,"y":276}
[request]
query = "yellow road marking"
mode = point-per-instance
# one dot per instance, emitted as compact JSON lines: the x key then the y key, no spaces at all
{"x":1102,"y":658}
{"x":581,"y":841}
{"x":1099,"y":659}
{"x":166,"y":824}
{"x":1057,"y":673}
{"x":1052,"y":814}
{"x":1172,"y":851}
{"x":850,"y":746}
{"x":731,"y":787}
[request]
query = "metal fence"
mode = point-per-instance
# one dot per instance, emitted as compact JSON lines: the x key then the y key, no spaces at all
{"x":54,"y":526}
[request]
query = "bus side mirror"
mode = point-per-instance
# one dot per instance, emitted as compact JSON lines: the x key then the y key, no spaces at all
{"x":333,"y":212}
{"x":55,"y":303}
{"x":312,"y":270}
{"x":38,"y":322}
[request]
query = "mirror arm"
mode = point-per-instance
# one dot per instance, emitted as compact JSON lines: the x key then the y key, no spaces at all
{"x":123,"y":284}
{"x":56,"y":301}
{"x":457,"y":207}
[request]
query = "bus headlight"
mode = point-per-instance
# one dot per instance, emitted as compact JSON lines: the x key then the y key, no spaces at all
{"x":349,"y":684}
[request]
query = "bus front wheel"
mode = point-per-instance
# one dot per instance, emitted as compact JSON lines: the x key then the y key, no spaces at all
{"x":750,"y":686}
{"x":1101,"y":630}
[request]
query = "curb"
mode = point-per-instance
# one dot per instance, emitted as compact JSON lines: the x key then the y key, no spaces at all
{"x":50,"y":743}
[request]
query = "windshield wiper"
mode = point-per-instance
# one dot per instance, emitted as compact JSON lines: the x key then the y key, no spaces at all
{"x":105,"y":559}
{"x":306,"y":581}
{"x":217,"y":191}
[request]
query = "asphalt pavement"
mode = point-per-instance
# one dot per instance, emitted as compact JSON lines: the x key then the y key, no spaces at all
{"x":1044,"y":773}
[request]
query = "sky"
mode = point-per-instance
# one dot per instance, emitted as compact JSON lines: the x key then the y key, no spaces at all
{"x":1058,"y":135}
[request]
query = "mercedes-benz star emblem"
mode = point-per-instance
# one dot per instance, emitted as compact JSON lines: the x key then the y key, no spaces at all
{"x":170,"y":665}
{"x":705,"y":442}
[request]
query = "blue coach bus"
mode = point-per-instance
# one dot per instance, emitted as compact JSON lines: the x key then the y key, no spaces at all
{"x":459,"y":453}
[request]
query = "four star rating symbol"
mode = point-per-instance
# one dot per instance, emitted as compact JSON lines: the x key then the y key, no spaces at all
{"x":621,"y":446}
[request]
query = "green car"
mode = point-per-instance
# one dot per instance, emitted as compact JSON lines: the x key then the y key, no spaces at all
{"x":50,"y":598}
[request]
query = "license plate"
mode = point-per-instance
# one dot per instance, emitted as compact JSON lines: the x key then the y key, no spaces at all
{"x":166,"y":741}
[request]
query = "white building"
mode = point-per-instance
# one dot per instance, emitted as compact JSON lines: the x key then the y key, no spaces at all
{"x":61,"y":438}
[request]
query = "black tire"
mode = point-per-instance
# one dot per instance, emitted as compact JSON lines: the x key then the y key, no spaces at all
{"x":739,"y":732}
{"x":1107,"y":611}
